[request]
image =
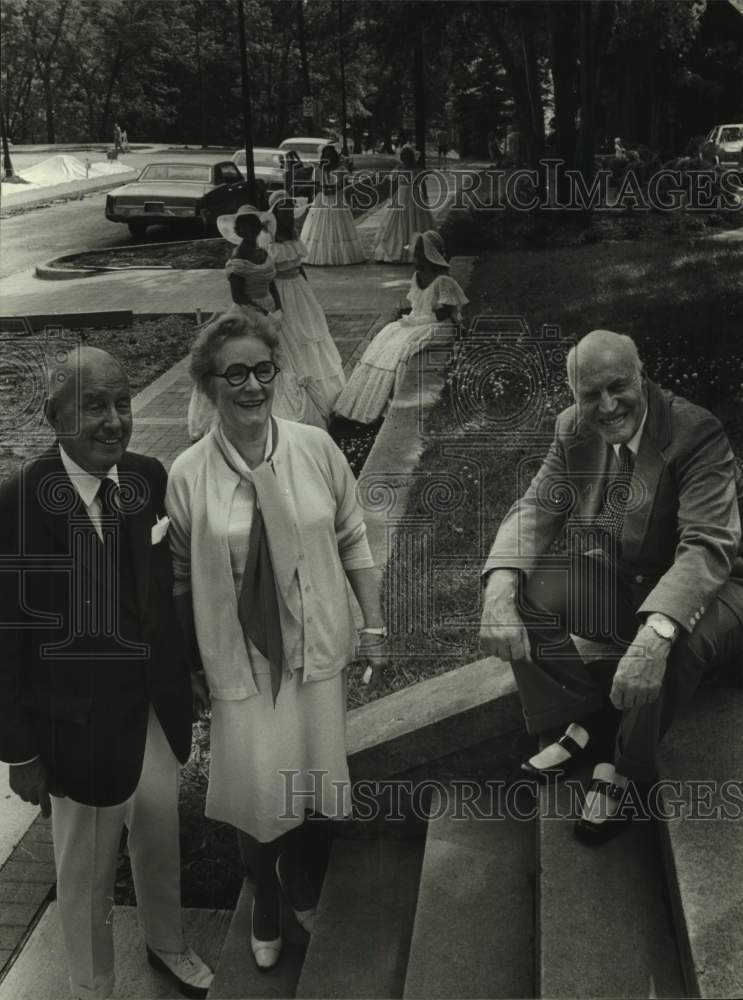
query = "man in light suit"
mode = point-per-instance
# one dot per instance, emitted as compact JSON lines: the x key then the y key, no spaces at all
{"x":643,"y":489}
{"x":94,"y":683}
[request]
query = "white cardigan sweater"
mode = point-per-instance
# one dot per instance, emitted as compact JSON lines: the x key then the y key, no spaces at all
{"x":315,"y":531}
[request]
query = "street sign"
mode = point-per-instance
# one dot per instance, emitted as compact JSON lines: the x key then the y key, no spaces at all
{"x":307,"y":107}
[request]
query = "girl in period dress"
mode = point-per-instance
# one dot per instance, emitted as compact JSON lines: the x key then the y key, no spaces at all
{"x":436,"y":301}
{"x":251,"y":273}
{"x":306,"y":342}
{"x":329,"y":232}
{"x":406,"y":213}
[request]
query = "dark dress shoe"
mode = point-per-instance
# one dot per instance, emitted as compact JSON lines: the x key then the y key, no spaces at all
{"x":543,"y":775}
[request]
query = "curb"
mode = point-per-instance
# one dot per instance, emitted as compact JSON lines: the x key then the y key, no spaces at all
{"x":49,"y":272}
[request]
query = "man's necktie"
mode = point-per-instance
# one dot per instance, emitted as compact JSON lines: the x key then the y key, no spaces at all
{"x":118,"y":593}
{"x":258,"y":604}
{"x":610,"y":518}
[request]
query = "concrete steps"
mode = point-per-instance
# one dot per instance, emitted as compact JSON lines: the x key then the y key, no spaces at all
{"x":40,"y":972}
{"x":604,"y":927}
{"x":360,"y":944}
{"x":237,"y":974}
{"x":702,"y":840}
{"x":474,"y":924}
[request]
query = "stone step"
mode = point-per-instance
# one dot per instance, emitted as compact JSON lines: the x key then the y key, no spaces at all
{"x":702,"y":840}
{"x":432,"y":719}
{"x":360,"y":944}
{"x":603,"y":923}
{"x":40,"y":971}
{"x":237,"y":974}
{"x":474,"y":925}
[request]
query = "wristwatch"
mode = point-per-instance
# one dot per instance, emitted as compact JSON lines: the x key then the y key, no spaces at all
{"x":662,"y":627}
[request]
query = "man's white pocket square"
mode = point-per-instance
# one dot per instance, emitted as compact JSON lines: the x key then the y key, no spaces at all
{"x":160,"y":530}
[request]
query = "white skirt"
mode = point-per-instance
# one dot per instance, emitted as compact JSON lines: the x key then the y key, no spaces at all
{"x":270,"y":764}
{"x":329,"y":233}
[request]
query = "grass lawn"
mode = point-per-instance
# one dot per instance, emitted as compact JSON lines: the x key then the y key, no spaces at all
{"x":680,"y":298}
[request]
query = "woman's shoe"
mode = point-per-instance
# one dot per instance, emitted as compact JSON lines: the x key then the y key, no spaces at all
{"x":265,"y":953}
{"x":305,"y":918}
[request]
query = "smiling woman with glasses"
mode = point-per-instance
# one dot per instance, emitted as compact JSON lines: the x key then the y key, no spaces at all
{"x":267,"y":535}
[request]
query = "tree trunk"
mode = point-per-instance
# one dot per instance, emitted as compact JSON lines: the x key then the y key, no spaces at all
{"x":49,"y":107}
{"x":113,"y":77}
{"x":564,"y":58}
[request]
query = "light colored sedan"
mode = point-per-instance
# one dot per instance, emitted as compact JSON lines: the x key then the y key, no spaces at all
{"x":269,"y":165}
{"x":308,"y":148}
{"x":729,"y":142}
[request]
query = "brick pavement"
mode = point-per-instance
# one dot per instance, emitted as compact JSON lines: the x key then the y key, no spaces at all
{"x":26,"y":884}
{"x":160,"y":410}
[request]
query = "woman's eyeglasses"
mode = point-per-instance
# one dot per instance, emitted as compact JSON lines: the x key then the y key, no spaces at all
{"x":264,"y":371}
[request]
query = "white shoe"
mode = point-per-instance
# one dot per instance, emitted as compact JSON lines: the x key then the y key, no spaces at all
{"x":265,"y":953}
{"x":192,"y":976}
{"x":305,"y":918}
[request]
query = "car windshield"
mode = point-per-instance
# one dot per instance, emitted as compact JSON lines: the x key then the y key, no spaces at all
{"x":731,"y":134}
{"x":261,"y":159}
{"x":176,"y":172}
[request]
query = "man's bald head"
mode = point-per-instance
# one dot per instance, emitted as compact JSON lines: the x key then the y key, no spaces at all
{"x":70,"y":369}
{"x":598,"y":348}
{"x":606,"y":376}
{"x":89,"y":407}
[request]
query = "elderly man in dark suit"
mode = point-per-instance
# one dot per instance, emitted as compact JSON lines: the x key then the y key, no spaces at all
{"x":643,"y":490}
{"x":94,"y":683}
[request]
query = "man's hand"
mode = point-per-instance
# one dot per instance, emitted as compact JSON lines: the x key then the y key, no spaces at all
{"x":502,"y":632}
{"x":30,"y":782}
{"x":200,"y":695}
{"x":640,"y":673}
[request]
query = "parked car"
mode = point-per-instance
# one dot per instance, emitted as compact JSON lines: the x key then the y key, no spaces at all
{"x":270,"y":167}
{"x":308,"y":148}
{"x":729,"y":142}
{"x":178,"y":193}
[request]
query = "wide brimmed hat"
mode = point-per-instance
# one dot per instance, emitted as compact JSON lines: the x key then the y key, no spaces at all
{"x":299,"y":205}
{"x":433,"y":247}
{"x":226,"y":223}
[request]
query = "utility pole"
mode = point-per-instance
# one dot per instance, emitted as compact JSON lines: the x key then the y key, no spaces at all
{"x":247,"y":114}
{"x":309,"y":128}
{"x":419,"y":89}
{"x":342,"y":67}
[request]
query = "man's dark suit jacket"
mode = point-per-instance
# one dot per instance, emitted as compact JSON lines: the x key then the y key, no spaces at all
{"x":70,"y":693}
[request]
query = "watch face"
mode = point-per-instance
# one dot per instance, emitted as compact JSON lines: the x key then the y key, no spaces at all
{"x":664,"y":629}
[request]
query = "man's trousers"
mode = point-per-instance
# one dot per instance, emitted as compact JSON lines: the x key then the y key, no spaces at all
{"x":86,"y":847}
{"x":586,"y":596}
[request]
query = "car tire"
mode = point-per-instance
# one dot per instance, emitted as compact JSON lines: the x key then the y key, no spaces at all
{"x":137,"y":229}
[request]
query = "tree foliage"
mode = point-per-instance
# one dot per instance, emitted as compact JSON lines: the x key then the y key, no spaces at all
{"x":653,"y":71}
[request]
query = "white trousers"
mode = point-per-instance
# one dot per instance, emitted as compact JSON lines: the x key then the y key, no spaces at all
{"x":86,"y":845}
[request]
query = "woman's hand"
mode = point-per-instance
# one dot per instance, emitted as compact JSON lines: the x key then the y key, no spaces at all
{"x":372,"y":654}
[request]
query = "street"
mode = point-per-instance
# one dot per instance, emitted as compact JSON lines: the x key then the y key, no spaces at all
{"x":40,"y":233}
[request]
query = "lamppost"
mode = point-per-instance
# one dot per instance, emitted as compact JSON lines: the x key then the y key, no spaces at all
{"x":247,"y":113}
